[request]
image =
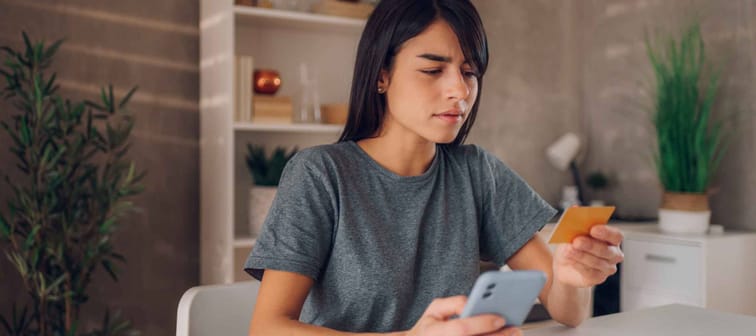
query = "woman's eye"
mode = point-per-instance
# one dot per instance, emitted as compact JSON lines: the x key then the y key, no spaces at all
{"x":470,"y":73}
{"x":431,"y":71}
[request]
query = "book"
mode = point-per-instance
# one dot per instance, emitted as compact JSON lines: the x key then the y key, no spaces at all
{"x":243,"y":98}
{"x":272,"y":109}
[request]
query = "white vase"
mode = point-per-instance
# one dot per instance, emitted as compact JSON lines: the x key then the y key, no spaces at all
{"x":260,"y":200}
{"x":684,"y":222}
{"x":684,"y":213}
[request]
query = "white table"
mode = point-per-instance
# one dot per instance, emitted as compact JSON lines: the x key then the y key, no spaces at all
{"x":667,"y":320}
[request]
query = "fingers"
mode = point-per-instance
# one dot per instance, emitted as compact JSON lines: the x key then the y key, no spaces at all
{"x":476,"y":325}
{"x":591,"y":261}
{"x":600,"y":249}
{"x":612,"y":236}
{"x":590,"y":275}
{"x":444,"y":308}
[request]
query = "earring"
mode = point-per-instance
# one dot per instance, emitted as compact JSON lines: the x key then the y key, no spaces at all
{"x":381,"y":90}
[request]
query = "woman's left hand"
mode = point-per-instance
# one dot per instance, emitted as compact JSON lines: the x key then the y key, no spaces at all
{"x":589,"y":260}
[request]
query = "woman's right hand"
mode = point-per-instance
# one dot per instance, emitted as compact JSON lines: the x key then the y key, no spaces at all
{"x":436,"y":321}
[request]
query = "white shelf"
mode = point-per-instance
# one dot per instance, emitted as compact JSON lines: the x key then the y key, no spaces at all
{"x":244,"y":242}
{"x":279,"y":40}
{"x":300,"y":128}
{"x":274,"y":18}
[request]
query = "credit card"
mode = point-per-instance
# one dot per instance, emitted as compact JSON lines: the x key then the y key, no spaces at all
{"x":578,"y":221}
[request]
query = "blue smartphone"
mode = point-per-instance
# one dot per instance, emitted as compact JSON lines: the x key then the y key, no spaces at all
{"x":508,"y":294}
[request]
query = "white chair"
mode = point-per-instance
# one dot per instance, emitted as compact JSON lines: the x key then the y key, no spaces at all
{"x":217,"y":309}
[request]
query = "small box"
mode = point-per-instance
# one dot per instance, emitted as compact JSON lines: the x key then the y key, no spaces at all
{"x":334,"y":113}
{"x":272,"y":110}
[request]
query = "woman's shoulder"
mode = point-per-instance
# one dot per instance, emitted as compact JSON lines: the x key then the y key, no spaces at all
{"x":322,"y":158}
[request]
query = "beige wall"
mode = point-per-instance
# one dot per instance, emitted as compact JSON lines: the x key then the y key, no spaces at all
{"x":615,"y":71}
{"x":580,"y":65}
{"x":152,"y":44}
{"x":556,"y":66}
{"x":530,"y":91}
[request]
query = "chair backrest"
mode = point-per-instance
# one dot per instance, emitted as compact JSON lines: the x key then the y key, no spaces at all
{"x":217,"y":309}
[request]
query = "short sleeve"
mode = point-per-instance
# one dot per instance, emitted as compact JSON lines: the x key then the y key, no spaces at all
{"x":297,"y":233}
{"x":512,"y":211}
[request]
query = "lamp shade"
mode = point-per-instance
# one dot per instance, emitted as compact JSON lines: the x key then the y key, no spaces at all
{"x":563,"y":151}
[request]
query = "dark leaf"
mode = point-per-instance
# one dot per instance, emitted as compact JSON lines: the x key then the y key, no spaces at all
{"x":110,"y":269}
{"x":126,"y":99}
{"x":50,"y":52}
{"x":4,"y":228}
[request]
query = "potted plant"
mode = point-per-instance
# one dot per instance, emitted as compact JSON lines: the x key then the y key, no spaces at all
{"x":65,"y":202}
{"x":690,"y":140}
{"x":266,"y":173}
{"x":598,"y":182}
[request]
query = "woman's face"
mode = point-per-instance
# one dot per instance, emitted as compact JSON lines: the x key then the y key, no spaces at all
{"x":430,"y":88}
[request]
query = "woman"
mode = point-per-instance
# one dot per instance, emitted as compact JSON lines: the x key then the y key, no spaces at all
{"x":383,"y":231}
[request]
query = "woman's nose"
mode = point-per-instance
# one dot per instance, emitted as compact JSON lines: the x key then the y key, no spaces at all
{"x":457,"y":87}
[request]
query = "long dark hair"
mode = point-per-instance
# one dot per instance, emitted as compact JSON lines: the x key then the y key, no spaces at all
{"x":392,"y":23}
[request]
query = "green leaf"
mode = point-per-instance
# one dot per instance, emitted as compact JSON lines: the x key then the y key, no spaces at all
{"x":27,"y":43}
{"x":31,"y":237}
{"x":110,"y":269}
{"x":107,"y":225}
{"x":56,"y":284}
{"x":111,"y":100}
{"x":50,"y":52}
{"x":5,"y":230}
{"x":126,"y":99}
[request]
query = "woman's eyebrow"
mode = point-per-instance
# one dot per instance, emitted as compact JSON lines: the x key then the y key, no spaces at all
{"x":435,"y":58}
{"x":439,"y":58}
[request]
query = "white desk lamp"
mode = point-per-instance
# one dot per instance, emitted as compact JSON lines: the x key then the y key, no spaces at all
{"x":562,"y":154}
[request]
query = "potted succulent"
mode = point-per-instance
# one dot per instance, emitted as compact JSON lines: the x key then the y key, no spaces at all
{"x":266,"y":173}
{"x":690,"y":140}
{"x":598,"y":182}
{"x":67,"y":198}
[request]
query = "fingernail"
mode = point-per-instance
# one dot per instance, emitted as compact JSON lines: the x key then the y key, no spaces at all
{"x":499,"y":323}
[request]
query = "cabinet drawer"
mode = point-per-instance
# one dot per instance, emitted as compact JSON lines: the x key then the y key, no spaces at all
{"x":663,"y":267}
{"x":634,"y":299}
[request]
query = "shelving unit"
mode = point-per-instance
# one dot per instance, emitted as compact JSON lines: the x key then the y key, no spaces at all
{"x":307,"y":128}
{"x":278,"y":40}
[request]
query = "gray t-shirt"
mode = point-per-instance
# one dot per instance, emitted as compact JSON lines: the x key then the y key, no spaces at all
{"x":380,"y":246}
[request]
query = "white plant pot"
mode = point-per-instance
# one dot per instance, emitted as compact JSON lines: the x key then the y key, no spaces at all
{"x":260,"y":200}
{"x":684,"y":222}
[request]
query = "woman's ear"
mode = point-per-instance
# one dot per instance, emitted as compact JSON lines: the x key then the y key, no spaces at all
{"x":383,"y":81}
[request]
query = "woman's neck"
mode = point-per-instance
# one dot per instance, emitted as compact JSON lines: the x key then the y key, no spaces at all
{"x":399,"y":155}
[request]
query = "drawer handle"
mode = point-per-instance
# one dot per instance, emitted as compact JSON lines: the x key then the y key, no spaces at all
{"x":659,"y":258}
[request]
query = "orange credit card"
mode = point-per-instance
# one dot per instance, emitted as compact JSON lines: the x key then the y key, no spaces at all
{"x":578,"y":221}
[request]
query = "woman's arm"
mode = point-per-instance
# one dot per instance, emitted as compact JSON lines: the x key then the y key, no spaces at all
{"x":279,"y":303}
{"x":282,"y":295}
{"x":572,"y":271}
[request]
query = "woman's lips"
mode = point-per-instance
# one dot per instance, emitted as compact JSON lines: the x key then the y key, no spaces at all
{"x":450,"y":117}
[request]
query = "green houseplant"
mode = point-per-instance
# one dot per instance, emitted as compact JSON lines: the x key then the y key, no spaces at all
{"x":65,"y":203}
{"x":266,"y":173}
{"x":690,"y":139}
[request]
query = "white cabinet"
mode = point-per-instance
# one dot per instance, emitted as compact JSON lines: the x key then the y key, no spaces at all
{"x":714,"y":271}
{"x":279,"y":40}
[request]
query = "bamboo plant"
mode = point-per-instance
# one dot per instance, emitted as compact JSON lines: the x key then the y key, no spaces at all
{"x":68,"y":196}
{"x":690,"y":140}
